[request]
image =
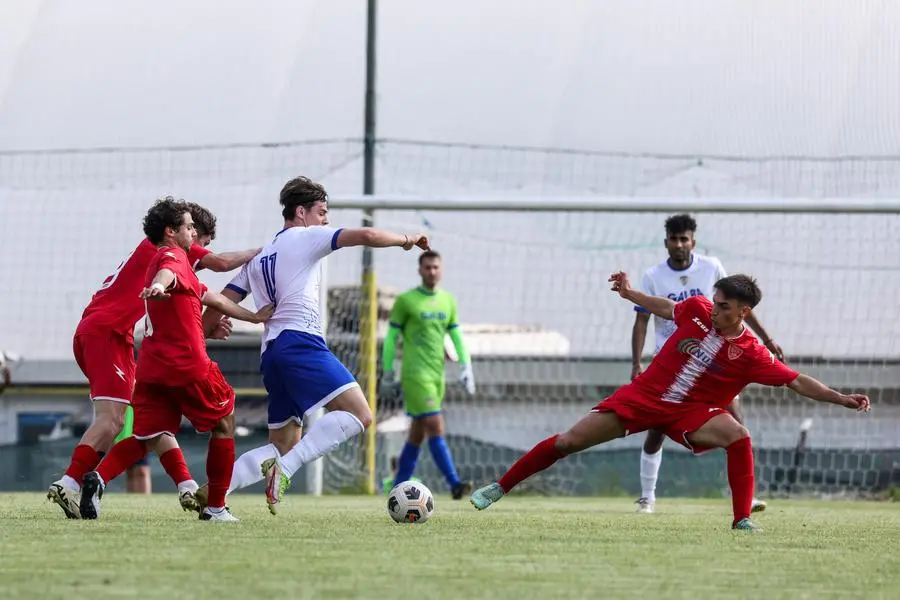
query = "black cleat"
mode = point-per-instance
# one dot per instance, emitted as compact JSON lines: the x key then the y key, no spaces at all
{"x":461,"y":489}
{"x":91,"y":494}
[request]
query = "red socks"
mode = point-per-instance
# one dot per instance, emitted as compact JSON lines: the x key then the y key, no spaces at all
{"x":740,"y":477}
{"x":173,"y":462}
{"x":120,"y":457}
{"x":84,"y":460}
{"x":541,"y":457}
{"x":219,"y":466}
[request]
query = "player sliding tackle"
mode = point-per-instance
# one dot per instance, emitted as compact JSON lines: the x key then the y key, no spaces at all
{"x":709,"y":358}
{"x":299,"y":371}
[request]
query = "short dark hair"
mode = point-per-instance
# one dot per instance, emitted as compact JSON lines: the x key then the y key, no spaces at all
{"x":166,"y":212}
{"x":680,"y":224}
{"x":204,"y":220}
{"x":428,"y":254}
{"x":300,"y":191}
{"x":742,"y":288}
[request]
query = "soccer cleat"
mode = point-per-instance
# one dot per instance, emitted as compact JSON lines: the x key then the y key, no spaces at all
{"x":461,"y":489}
{"x":91,"y":493}
{"x":202,"y":496}
{"x":223,"y":515}
{"x":277,"y":483}
{"x":188,"y":501}
{"x":746,"y":524}
{"x":484,"y":497}
{"x":66,"y":497}
{"x":758,"y":506}
{"x":645,"y":506}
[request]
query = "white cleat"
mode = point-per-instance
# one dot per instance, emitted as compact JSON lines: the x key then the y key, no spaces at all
{"x":223,"y":515}
{"x":67,"y":498}
{"x":757,"y":506}
{"x":645,"y":506}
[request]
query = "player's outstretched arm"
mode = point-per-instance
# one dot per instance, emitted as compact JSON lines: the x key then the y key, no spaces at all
{"x":227,"y":307}
{"x":228,"y":261}
{"x":659,"y":306}
{"x":213,"y":319}
{"x":379,"y":238}
{"x":638,"y":338}
{"x":816,"y":390}
{"x":767,"y":340}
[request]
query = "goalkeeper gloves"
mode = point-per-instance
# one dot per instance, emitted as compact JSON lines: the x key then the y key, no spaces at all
{"x":390,"y":387}
{"x":467,"y":377}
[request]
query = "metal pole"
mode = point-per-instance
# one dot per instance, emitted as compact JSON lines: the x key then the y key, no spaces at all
{"x":368,"y":306}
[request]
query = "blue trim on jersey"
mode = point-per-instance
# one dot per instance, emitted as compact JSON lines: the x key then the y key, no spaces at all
{"x":452,"y":326}
{"x":334,"y":238}
{"x":641,"y":309}
{"x":426,"y":292}
{"x":282,"y":231}
{"x":690,"y":264}
{"x":240,"y":291}
{"x":396,"y":325}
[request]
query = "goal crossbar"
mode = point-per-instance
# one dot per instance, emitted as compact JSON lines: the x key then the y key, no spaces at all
{"x":618,"y":204}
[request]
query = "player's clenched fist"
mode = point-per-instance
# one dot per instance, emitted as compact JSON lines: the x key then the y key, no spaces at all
{"x":620,"y":283}
{"x":419,"y":240}
{"x":859,"y":402}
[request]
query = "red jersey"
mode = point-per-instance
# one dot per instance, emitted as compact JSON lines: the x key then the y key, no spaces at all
{"x":697,"y":364}
{"x":116,"y":306}
{"x":173,"y":351}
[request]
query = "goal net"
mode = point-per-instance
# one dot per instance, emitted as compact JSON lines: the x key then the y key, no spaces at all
{"x":549,"y":339}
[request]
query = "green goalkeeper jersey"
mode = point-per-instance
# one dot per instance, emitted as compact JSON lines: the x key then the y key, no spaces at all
{"x":424,"y":317}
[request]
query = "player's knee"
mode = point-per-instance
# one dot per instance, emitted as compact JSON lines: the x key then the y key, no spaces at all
{"x":738,"y":433}
{"x":224,"y":428}
{"x":568,"y":443}
{"x":365,"y":417}
{"x":654,"y":442}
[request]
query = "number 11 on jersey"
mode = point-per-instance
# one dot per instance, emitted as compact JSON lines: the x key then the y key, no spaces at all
{"x":267,"y":264}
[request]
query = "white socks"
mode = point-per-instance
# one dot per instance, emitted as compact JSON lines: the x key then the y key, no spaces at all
{"x":649,"y":472}
{"x":188,"y":485}
{"x":246,"y":467}
{"x":326,"y":434}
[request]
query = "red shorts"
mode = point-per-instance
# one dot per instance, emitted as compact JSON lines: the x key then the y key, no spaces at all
{"x":107,"y":360}
{"x":638,"y":413}
{"x":158,"y":408}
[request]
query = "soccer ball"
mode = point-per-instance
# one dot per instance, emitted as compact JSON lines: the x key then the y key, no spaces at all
{"x":410,"y":502}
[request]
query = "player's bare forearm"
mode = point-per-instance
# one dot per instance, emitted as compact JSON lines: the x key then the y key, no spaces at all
{"x":228,"y":261}
{"x":230,"y":309}
{"x":767,"y":339}
{"x":379,"y":238}
{"x":639,"y":337}
{"x":816,"y":390}
{"x":163,"y":277}
{"x":212,"y":316}
{"x":659,"y":306}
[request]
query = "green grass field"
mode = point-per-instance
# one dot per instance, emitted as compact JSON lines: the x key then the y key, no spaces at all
{"x":347,"y":547}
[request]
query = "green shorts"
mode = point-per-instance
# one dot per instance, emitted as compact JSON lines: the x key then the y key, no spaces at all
{"x":423,"y":398}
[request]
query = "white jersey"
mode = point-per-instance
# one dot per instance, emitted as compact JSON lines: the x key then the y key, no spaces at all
{"x":697,"y":279}
{"x":288,"y":273}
